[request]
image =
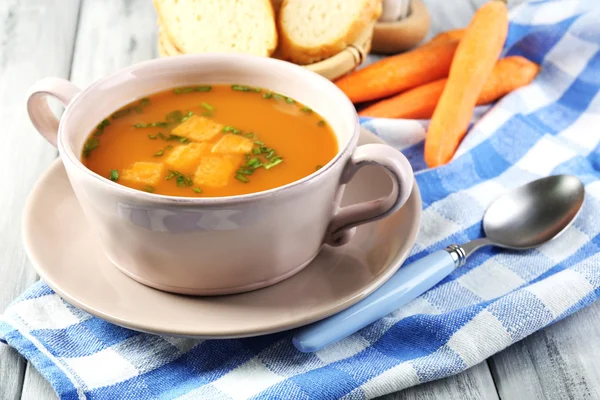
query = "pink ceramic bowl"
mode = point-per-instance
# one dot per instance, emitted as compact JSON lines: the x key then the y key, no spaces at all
{"x":219,"y":245}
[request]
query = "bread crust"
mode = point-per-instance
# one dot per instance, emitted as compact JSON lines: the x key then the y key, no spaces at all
{"x":173,"y":43}
{"x":304,"y":55}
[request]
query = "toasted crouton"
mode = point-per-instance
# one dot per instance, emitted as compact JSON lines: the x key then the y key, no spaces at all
{"x":186,"y":157}
{"x":216,"y":171}
{"x":233,"y":144}
{"x":198,"y":129}
{"x":147,"y":173}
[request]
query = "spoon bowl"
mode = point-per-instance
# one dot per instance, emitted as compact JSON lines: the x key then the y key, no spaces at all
{"x":535,"y":213}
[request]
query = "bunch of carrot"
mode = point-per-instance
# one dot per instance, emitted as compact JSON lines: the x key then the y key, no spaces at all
{"x":444,"y":80}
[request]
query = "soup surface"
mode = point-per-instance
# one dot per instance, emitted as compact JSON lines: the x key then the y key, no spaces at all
{"x":207,"y":141}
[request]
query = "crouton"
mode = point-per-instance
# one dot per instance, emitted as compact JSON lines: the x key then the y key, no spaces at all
{"x":233,"y":144}
{"x":216,"y":171}
{"x":198,"y":129}
{"x":147,"y":173}
{"x":186,"y":157}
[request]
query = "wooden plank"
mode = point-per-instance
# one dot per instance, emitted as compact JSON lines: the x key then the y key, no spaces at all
{"x":559,"y":362}
{"x":112,"y":34}
{"x":36,"y":387}
{"x":36,"y":40}
{"x":474,"y":383}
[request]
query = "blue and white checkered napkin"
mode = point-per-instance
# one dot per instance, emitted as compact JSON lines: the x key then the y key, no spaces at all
{"x":498,"y":298}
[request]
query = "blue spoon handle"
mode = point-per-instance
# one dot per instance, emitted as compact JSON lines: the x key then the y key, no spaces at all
{"x":406,"y":284}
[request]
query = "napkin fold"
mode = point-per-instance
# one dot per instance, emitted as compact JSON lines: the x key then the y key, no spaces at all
{"x":549,"y":127}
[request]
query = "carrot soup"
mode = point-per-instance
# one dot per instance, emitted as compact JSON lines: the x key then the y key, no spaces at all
{"x":210,"y":141}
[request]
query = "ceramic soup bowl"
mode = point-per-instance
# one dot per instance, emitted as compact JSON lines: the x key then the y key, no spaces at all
{"x":218,"y":245}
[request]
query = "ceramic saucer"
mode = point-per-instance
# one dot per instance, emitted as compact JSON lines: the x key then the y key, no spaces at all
{"x":66,"y":255}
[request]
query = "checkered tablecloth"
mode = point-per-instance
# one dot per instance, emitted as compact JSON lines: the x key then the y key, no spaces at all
{"x":550,"y":127}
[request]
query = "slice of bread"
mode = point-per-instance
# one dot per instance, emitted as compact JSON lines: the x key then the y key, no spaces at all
{"x":312,"y":30}
{"x":165,"y":47}
{"x":199,"y":26}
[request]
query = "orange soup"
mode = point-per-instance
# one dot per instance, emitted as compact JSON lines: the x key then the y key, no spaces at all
{"x":207,"y":141}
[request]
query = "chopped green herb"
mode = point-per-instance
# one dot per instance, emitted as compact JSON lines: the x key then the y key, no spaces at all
{"x":228,"y":128}
{"x":184,"y":181}
{"x":139,"y":108}
{"x":289,"y":100}
{"x":254,"y":162}
{"x":207,"y":106}
{"x":171,"y":174}
{"x":267,"y":95}
{"x":160,"y":135}
{"x":318,"y":167}
{"x":152,"y":125}
{"x":180,"y":179}
{"x":187,"y":116}
{"x":236,"y":132}
{"x":144,"y":102}
{"x":114,"y":175}
{"x":197,"y":190}
{"x":240,"y":88}
{"x":249,"y":135}
{"x":90,"y":146}
{"x":148,"y":189}
{"x":179,"y":138}
{"x":245,"y":171}
{"x":321,"y":123}
{"x":306,"y":109}
{"x":270,"y":154}
{"x":168,"y":147}
{"x":273,"y":163}
{"x":256,"y":150}
{"x":192,"y":89}
{"x":183,"y":90}
{"x":258,"y":142}
{"x":174,"y":117}
{"x":103,"y":124}
{"x":277,"y":96}
{"x":152,"y":136}
{"x":121,"y":113}
{"x":241,"y":178}
{"x":159,"y":153}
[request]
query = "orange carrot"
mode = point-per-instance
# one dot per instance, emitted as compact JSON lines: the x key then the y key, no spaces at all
{"x":417,"y":103}
{"x":454,"y":34}
{"x":473,"y":62}
{"x":395,"y":74}
{"x":509,"y":73}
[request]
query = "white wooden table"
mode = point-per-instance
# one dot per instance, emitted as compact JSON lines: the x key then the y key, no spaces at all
{"x":83,"y":40}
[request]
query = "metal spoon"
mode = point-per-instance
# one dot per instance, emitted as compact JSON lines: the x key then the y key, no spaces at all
{"x":521,"y":219}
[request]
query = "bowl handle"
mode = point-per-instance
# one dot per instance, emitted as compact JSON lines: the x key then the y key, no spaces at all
{"x":40,"y":113}
{"x":340,"y":228}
